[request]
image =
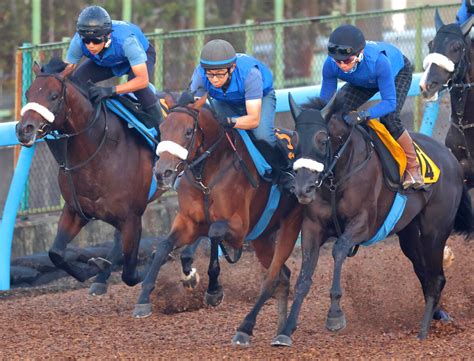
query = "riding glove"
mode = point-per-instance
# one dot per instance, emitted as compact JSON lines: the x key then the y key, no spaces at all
{"x":226,"y":122}
{"x":97,"y":93}
{"x":354,"y":118}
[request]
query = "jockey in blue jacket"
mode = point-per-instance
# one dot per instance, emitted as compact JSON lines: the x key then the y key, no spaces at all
{"x":114,"y":48}
{"x":241,"y":88}
{"x":367,"y":68}
{"x":465,"y":11}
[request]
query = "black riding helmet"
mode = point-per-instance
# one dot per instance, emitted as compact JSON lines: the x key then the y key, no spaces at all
{"x":345,"y":41}
{"x":94,"y":22}
{"x":470,"y":6}
{"x":217,"y":54}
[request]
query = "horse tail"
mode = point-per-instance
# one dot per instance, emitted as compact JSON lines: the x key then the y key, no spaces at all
{"x":463,"y":222}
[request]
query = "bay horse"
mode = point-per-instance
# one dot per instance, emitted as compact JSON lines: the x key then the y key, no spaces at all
{"x":339,"y":179}
{"x":449,"y":65}
{"x":220,"y":196}
{"x":105,"y":170}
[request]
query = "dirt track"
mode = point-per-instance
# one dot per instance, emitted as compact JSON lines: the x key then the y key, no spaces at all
{"x":382,"y":300}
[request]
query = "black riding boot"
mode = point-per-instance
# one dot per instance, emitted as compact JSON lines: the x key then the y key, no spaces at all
{"x":154,"y":111}
{"x":282,"y":166}
{"x":286,"y":173}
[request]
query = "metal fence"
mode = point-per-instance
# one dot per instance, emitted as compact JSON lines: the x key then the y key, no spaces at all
{"x":294,"y":49}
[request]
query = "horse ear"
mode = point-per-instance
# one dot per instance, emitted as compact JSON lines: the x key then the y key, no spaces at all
{"x":295,"y":109}
{"x":169,"y":100}
{"x":466,"y":26}
{"x":67,"y":71}
{"x":198,"y":104}
{"x":36,"y":68}
{"x":438,"y":21}
{"x":327,"y":111}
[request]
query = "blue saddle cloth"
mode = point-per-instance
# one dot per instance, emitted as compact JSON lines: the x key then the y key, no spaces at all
{"x":264,"y":169}
{"x":393,"y":217}
{"x":117,"y":107}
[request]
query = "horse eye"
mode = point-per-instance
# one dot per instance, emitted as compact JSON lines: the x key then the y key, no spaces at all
{"x":189,"y":132}
{"x":54,"y":96}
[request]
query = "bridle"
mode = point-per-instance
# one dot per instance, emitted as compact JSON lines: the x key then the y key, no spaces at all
{"x":59,"y":141}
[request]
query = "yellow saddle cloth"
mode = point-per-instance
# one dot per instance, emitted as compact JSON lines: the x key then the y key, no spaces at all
{"x":429,"y":169}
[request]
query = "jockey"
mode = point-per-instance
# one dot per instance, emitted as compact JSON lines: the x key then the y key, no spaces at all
{"x":367,"y":68}
{"x":114,"y":48}
{"x":241,"y":88}
{"x":465,"y":11}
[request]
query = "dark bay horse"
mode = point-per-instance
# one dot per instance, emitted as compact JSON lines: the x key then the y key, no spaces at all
{"x":105,"y":170}
{"x":339,"y":179}
{"x":221,"y":197}
{"x":449,"y":65}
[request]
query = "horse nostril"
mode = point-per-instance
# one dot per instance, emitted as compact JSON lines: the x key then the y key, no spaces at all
{"x":432,"y":85}
{"x":310,"y":188}
{"x":29,"y":129}
{"x":168,"y":173}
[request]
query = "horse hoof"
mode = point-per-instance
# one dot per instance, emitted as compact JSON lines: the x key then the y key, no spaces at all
{"x":191,"y":281}
{"x":97,"y":289}
{"x":442,"y":316}
{"x":282,"y":340}
{"x":101,"y":263}
{"x":241,"y":339}
{"x":215,"y":298}
{"x":336,"y":323}
{"x":142,"y":310}
{"x":422,"y":335}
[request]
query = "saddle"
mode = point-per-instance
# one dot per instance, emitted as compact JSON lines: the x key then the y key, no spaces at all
{"x":393,"y":157}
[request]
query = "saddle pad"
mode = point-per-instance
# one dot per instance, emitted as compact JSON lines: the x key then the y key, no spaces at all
{"x":429,"y":169}
{"x":118,"y":108}
{"x":284,"y":135}
{"x":263,"y":168}
{"x":391,"y":144}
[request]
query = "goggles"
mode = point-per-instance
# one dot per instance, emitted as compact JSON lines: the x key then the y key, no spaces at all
{"x":96,"y":41}
{"x":217,"y":75}
{"x":347,"y":61}
{"x":340,"y":49}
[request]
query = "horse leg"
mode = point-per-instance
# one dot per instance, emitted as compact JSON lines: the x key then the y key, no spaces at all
{"x":425,"y":251}
{"x":214,"y":294}
{"x":99,"y":287}
{"x":336,"y":320}
{"x":277,"y":280}
{"x":312,"y":238}
{"x":189,"y":275}
{"x":70,"y":223}
{"x":131,"y":232}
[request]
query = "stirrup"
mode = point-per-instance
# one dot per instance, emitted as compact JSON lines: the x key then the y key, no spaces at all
{"x":410,"y":182}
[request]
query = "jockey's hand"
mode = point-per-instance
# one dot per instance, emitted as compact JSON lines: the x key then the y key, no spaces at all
{"x":226,"y":122}
{"x":97,"y":93}
{"x":354,"y":118}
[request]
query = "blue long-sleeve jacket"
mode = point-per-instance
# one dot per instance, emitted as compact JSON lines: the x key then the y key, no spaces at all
{"x":377,"y":70}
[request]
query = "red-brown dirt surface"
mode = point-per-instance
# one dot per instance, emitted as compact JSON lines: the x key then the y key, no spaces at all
{"x":382,"y":301}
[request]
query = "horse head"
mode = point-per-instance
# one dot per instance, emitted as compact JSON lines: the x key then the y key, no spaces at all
{"x":46,"y":107}
{"x":449,"y":58}
{"x":313,"y":151}
{"x":182,"y":136}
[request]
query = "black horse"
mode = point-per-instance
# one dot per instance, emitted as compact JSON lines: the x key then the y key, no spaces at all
{"x":449,"y":65}
{"x":340,"y":180}
{"x":105,"y":170}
